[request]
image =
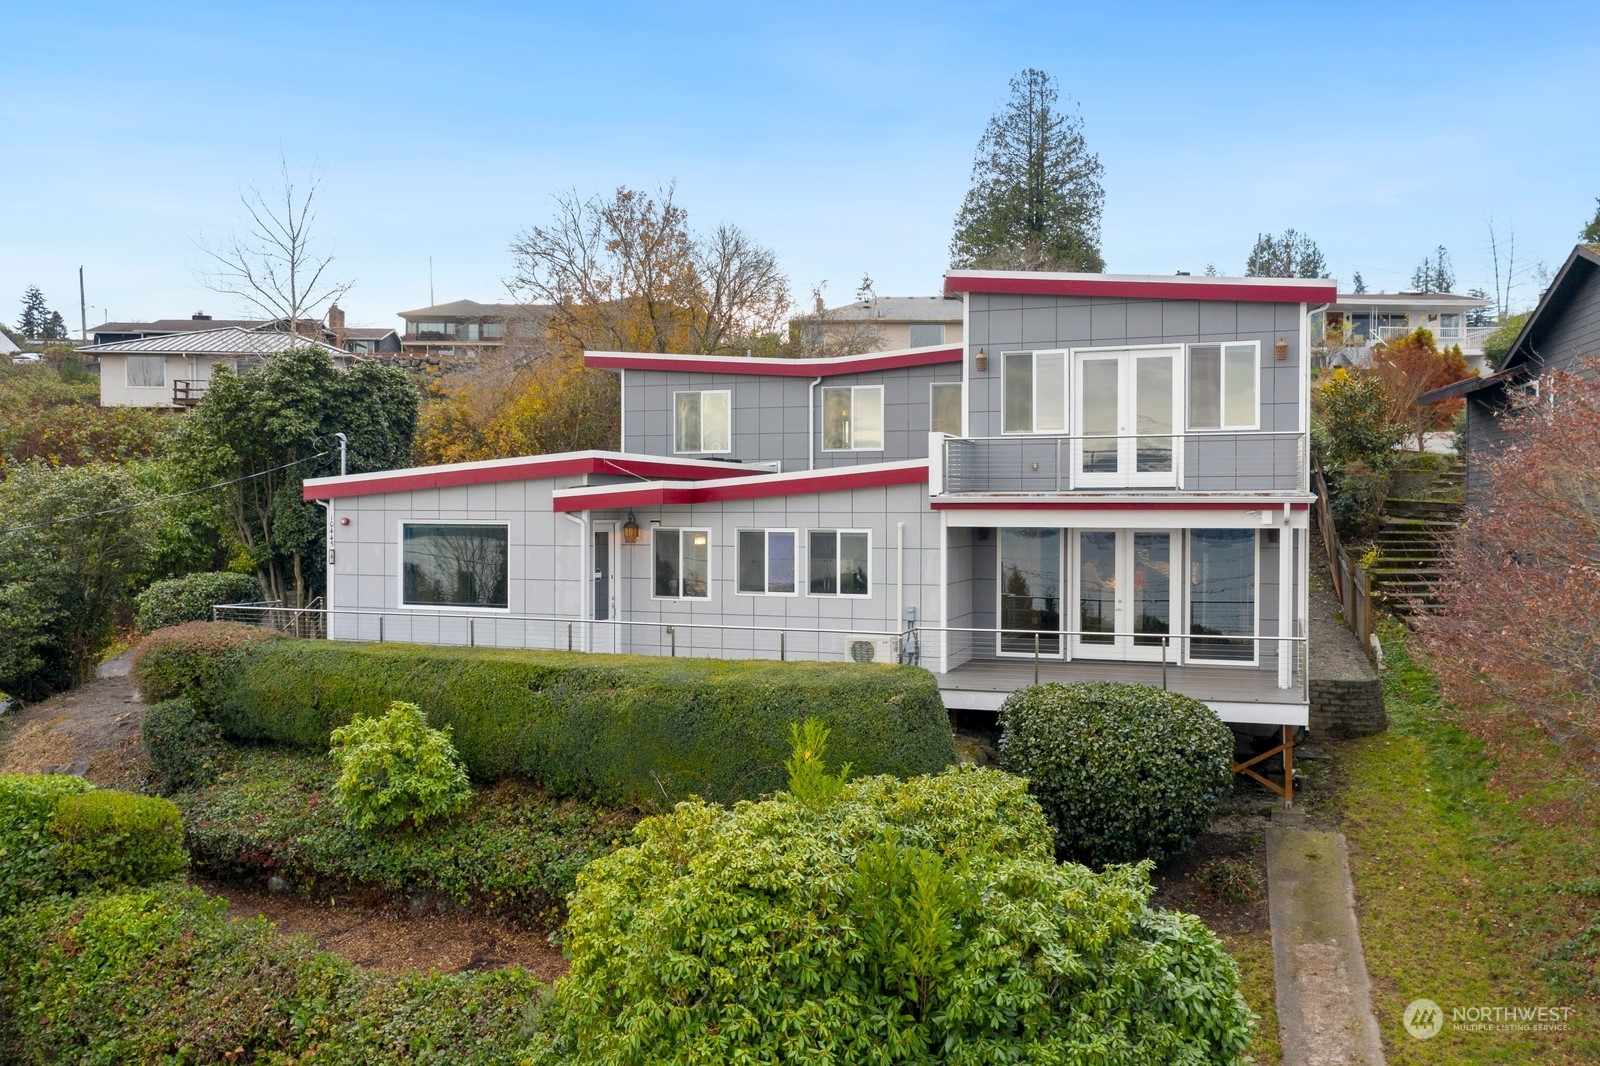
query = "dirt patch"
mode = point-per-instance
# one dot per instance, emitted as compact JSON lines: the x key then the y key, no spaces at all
{"x":388,"y":939}
{"x":92,"y":731}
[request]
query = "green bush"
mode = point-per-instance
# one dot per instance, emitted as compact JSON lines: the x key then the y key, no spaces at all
{"x":396,"y":769}
{"x":1356,"y":495}
{"x":190,"y":598}
{"x":163,"y":976}
{"x":192,"y":660}
{"x":1123,"y":772}
{"x":907,"y":921}
{"x":514,"y":851}
{"x":27,"y":850}
{"x":107,"y":838}
{"x":621,"y":730}
{"x":186,"y":750}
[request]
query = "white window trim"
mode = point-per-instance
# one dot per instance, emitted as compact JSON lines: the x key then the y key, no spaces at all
{"x":702,"y":393}
{"x":1222,"y":386}
{"x":936,"y":385}
{"x":710,"y":580}
{"x":801,"y":575}
{"x":871,"y":580}
{"x":127,"y":371}
{"x":1033,"y":410}
{"x":1188,"y":603}
{"x":400,"y":552}
{"x":854,"y":389}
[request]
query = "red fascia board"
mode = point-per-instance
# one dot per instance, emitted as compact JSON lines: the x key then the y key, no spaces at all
{"x":744,"y":489}
{"x":1112,"y":505}
{"x":783,"y":368}
{"x":1146,"y":290}
{"x":543,"y":467}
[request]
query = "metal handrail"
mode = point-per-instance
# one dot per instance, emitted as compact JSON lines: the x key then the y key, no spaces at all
{"x":959,"y":454}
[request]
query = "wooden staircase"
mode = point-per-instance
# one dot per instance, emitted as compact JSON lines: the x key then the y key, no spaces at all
{"x":1417,"y":522}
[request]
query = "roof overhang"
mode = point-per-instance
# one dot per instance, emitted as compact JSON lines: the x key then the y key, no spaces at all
{"x":521,"y":468}
{"x":1583,"y":260}
{"x":797,"y":483}
{"x":1144,"y":286}
{"x":791,"y":368}
{"x":1466,"y":387}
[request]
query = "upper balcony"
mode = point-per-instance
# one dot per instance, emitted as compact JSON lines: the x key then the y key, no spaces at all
{"x":1252,"y":461}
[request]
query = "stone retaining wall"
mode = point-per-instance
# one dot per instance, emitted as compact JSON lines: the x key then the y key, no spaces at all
{"x":1347,"y":708}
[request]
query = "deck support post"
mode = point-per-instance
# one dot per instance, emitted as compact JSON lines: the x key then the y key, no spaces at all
{"x":1286,"y":749}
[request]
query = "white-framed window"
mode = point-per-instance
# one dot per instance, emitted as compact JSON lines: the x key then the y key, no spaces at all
{"x":147,"y":371}
{"x":1224,"y":385}
{"x":682,"y":564}
{"x":923,"y":334}
{"x":852,"y":418}
{"x":1223,"y":565}
{"x":455,"y":564}
{"x":840,"y":562}
{"x":944,"y":407}
{"x":1035,"y":392}
{"x":767,"y":562}
{"x":702,"y":421}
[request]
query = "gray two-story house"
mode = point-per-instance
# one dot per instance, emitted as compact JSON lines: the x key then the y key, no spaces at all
{"x":1107,"y":478}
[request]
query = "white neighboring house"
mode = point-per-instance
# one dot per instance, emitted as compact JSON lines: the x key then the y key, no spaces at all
{"x":8,"y":346}
{"x":175,"y":370}
{"x":1346,"y":329}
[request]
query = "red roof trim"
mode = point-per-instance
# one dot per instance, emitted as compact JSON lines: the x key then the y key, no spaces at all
{"x":744,"y":489}
{"x":784,"y":368}
{"x":1146,"y":290}
{"x":544,"y":466}
{"x":1112,"y":505}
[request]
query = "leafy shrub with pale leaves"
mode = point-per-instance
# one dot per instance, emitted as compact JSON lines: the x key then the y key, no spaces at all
{"x":396,"y":769}
{"x":1124,"y":772}
{"x":921,"y":920}
{"x":190,"y":598}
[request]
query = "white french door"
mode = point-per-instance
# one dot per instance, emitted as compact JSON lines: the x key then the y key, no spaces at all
{"x":1124,"y":590}
{"x":1125,"y":410}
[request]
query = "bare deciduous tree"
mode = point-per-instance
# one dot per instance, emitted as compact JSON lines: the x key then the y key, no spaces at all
{"x":271,"y":264}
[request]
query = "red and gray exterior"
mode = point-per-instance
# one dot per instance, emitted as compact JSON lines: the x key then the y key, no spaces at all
{"x":935,"y":508}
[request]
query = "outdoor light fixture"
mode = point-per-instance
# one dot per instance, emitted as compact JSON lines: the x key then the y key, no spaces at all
{"x":981,"y":363}
{"x":630,"y":530}
{"x":1281,"y":350}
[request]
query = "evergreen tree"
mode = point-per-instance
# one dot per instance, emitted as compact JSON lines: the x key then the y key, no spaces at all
{"x":1434,"y":274}
{"x":1035,"y":198}
{"x":1360,"y":286}
{"x":1480,"y":316}
{"x":1293,"y":255}
{"x":1590,"y":234}
{"x":55,"y":327}
{"x":35,"y":315}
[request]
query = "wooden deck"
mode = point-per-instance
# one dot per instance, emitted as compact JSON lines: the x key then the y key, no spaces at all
{"x":1236,"y":693}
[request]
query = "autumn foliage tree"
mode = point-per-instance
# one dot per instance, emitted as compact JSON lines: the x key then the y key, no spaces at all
{"x":1517,"y":632}
{"x":1409,"y":367}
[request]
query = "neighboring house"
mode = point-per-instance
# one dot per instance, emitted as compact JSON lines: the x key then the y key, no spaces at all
{"x":111,"y":332}
{"x":1107,"y":480}
{"x":885,"y":323}
{"x":1344,"y":332}
{"x":360,"y":340}
{"x":1560,"y":333}
{"x":465,"y":327}
{"x":8,"y":346}
{"x":174,"y":369}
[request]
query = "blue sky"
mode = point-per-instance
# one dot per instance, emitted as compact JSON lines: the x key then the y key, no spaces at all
{"x":840,"y":136}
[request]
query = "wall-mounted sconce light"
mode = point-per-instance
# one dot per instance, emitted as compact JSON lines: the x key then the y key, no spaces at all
{"x":1280,"y":351}
{"x":344,"y":521}
{"x":630,"y":530}
{"x":981,"y":363}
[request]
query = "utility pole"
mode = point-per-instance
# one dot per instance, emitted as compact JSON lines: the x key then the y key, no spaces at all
{"x":83,"y":310}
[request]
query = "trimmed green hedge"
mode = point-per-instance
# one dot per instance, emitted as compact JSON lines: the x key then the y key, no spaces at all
{"x":621,"y":730}
{"x":190,"y":598}
{"x":192,"y":660}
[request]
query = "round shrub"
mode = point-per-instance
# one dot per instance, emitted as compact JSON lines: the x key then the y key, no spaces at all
{"x":27,"y":850}
{"x":396,"y":769}
{"x":192,"y":660}
{"x":184,"y":747}
{"x":1124,"y":772}
{"x":106,"y":838}
{"x":920,"y":920}
{"x":190,"y":598}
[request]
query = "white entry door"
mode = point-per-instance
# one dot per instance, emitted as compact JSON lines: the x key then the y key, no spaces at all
{"x":1126,"y":416}
{"x":1124,"y":589}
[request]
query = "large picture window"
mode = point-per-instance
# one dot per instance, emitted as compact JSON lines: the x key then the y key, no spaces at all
{"x":147,"y":371}
{"x":1222,"y":385}
{"x":683,"y":564}
{"x":703,"y":422}
{"x":924,"y":334}
{"x":1035,"y":392}
{"x":767,"y":561}
{"x":852,"y":418}
{"x":1222,"y":594}
{"x":447,"y":565}
{"x":840,"y":562}
{"x":944,"y":402}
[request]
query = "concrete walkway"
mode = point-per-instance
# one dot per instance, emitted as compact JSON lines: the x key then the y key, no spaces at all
{"x":1324,"y":1002}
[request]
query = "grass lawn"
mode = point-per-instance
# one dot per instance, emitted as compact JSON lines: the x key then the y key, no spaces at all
{"x":1253,"y":953}
{"x":1470,"y":893}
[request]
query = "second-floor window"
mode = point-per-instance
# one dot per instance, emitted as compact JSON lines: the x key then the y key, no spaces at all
{"x":924,"y":334}
{"x":683,"y":564}
{"x":767,"y":561}
{"x":852,"y":418}
{"x":1035,"y":392}
{"x":1223,"y":385}
{"x":703,"y":422}
{"x":944,"y":404}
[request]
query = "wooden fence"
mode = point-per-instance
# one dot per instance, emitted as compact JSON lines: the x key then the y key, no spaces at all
{"x":1351,"y":582}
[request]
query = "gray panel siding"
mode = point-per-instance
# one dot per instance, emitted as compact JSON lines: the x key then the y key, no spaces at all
{"x":1573,"y":333}
{"x":1485,"y":438}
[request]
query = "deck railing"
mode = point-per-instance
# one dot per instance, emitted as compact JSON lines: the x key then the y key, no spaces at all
{"x":186,"y":392}
{"x":1200,"y":461}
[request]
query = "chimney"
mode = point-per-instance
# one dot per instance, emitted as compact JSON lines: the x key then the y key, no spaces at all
{"x":336,"y":318}
{"x":200,"y":316}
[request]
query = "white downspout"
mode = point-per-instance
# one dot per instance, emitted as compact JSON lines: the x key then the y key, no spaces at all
{"x":899,"y":577}
{"x":585,"y":573}
{"x":811,"y":424}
